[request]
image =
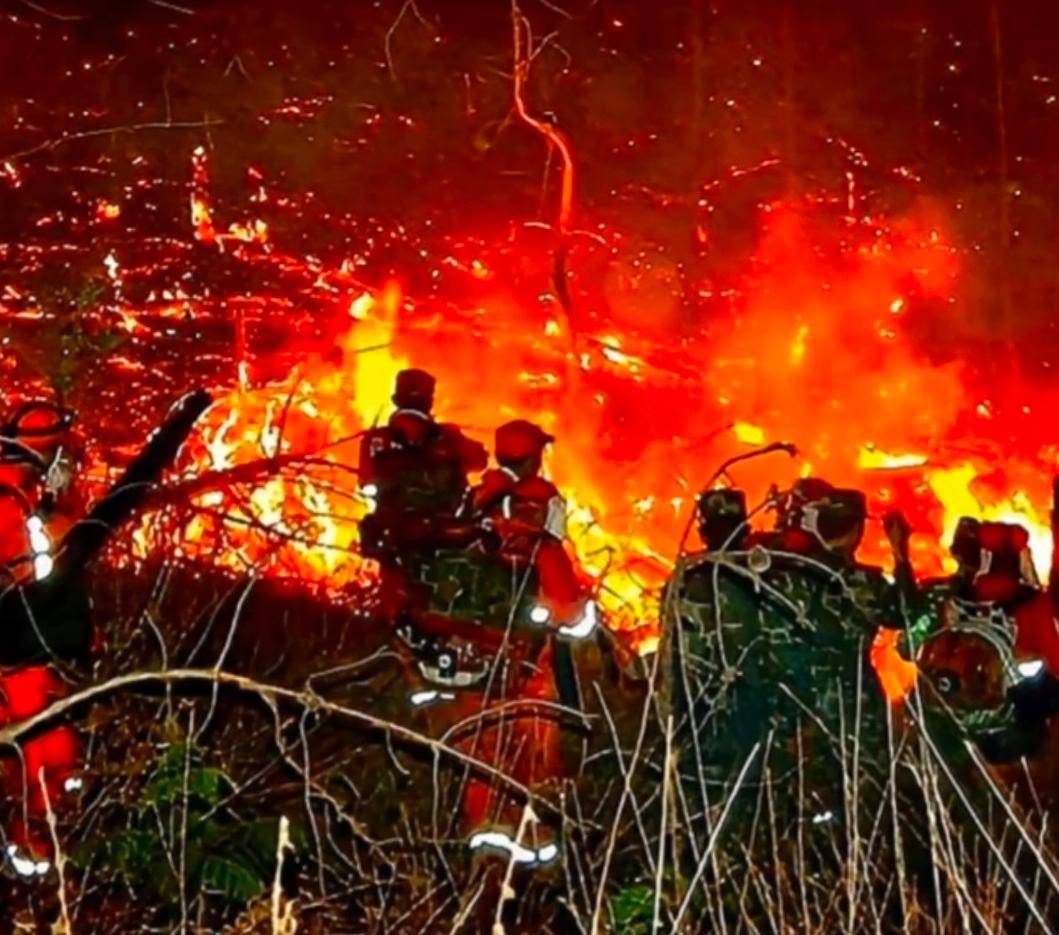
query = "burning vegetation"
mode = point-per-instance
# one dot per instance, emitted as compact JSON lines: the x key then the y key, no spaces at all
{"x":750,"y":620}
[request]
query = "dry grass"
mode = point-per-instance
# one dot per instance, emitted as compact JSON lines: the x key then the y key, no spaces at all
{"x":302,"y":706}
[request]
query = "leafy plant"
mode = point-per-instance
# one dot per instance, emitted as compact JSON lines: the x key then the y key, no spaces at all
{"x":632,"y":909}
{"x":179,"y":826}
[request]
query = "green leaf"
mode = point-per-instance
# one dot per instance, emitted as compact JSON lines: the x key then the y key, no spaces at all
{"x":633,"y":910}
{"x":228,"y":858}
{"x":205,"y":785}
{"x":209,"y":785}
{"x":230,"y":878}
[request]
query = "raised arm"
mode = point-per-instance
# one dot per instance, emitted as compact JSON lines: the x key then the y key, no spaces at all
{"x":899,"y":533}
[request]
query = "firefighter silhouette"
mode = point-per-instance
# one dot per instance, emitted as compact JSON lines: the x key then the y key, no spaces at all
{"x":986,"y":639}
{"x":37,"y":463}
{"x":44,"y":603}
{"x":488,"y":626}
{"x":770,"y":626}
{"x":525,"y":520}
{"x":413,"y":471}
{"x":528,"y":516}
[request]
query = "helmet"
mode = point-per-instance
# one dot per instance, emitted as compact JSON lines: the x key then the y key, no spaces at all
{"x":814,"y":510}
{"x":414,"y":389}
{"x":520,"y":440}
{"x":1005,"y":566}
{"x":722,"y":516}
{"x":34,"y":433}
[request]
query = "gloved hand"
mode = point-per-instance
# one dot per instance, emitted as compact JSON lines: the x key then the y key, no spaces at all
{"x":898,"y":532}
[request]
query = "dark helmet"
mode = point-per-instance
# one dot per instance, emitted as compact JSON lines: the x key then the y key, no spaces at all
{"x":38,"y":449}
{"x":722,"y":517}
{"x":519,"y":441}
{"x":995,"y":559}
{"x":414,"y":389}
{"x":816,"y":511}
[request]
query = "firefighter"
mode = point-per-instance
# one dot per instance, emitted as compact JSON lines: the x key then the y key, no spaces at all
{"x":523,"y":517}
{"x":986,"y":639}
{"x":37,"y":463}
{"x":501,"y":615}
{"x":38,"y":460}
{"x":527,"y":515}
{"x":722,"y":520}
{"x":770,"y":679}
{"x":769,"y":642}
{"x":824,"y":525}
{"x":413,"y":471}
{"x":45,"y":610}
{"x":39,"y":504}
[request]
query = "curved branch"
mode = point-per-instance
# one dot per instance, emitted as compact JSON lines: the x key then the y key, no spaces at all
{"x":248,"y":472}
{"x":10,"y":735}
{"x":554,"y":136}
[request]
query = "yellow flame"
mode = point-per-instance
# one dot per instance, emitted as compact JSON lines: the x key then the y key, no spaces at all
{"x":367,"y":350}
{"x":798,"y":345}
{"x":953,"y":488}
{"x":749,"y":434}
{"x":874,"y":459}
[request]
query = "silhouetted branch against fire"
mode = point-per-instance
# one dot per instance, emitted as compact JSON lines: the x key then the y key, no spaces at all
{"x":48,"y":145}
{"x":524,"y":55}
{"x":180,"y":492}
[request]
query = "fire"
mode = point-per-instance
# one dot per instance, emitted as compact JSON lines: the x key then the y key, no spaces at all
{"x":201,"y":216}
{"x":798,"y":345}
{"x":9,"y":172}
{"x":871,"y":459}
{"x":647,"y":378}
{"x":251,"y":232}
{"x":749,"y":434}
{"x":962,"y":492}
{"x":299,"y":523}
{"x":897,"y":676}
{"x":107,"y":210}
{"x":376,"y":366}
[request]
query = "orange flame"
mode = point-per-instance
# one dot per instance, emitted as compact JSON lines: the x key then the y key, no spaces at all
{"x":645,"y":401}
{"x":897,"y":676}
